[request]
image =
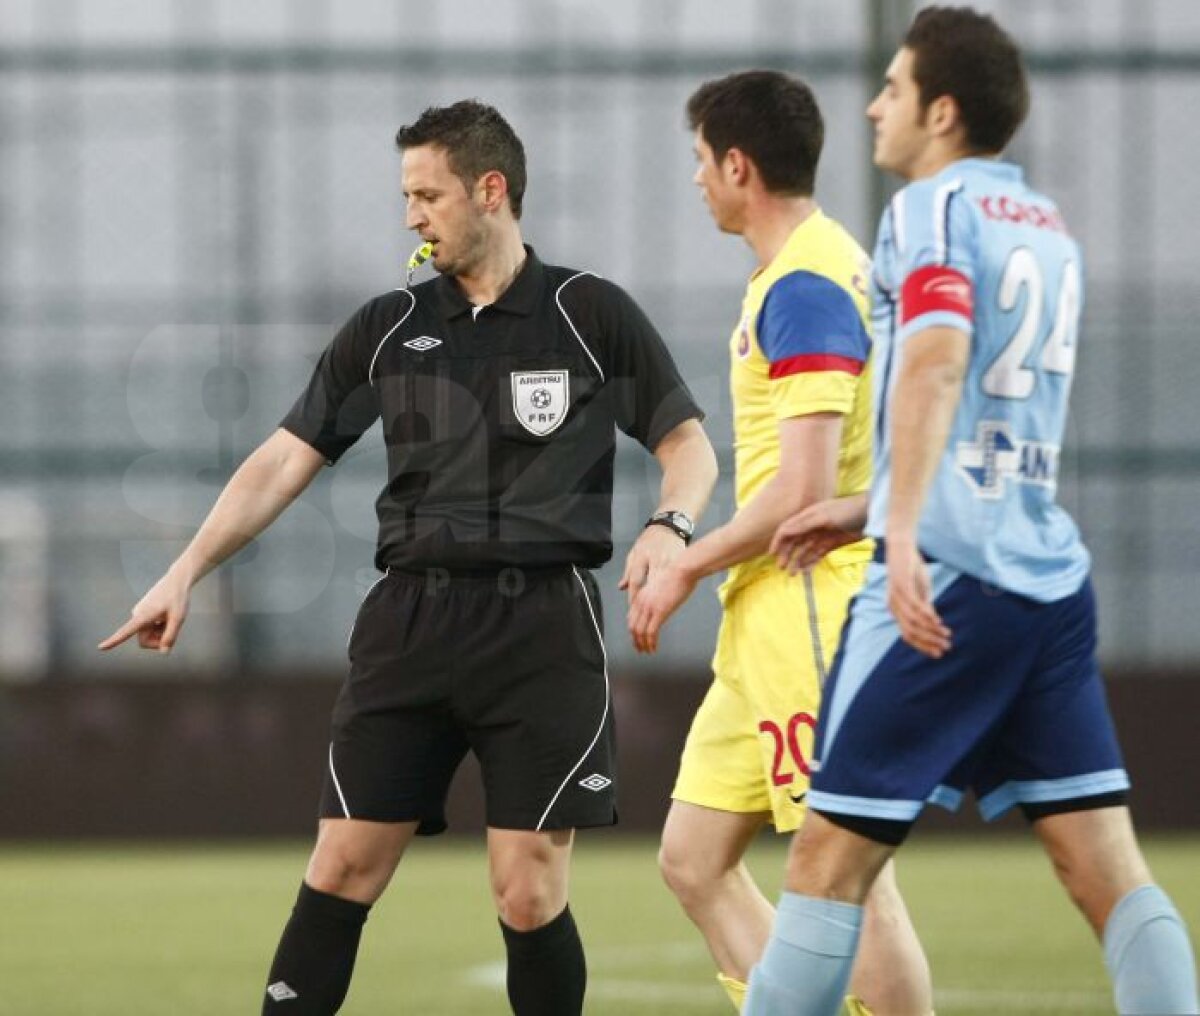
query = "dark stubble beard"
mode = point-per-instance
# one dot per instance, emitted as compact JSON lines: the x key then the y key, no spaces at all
{"x":474,"y":250}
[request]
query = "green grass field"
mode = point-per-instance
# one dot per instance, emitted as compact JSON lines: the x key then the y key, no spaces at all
{"x":188,"y":930}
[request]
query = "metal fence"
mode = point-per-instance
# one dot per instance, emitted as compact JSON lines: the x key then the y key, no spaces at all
{"x":195,"y":195}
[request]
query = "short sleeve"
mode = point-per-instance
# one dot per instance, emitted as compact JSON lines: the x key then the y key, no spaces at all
{"x":816,"y":345}
{"x":649,"y":396}
{"x":339,"y":405}
{"x":934,"y":245}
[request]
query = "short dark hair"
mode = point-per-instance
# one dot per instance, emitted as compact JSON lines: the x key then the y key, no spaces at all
{"x":770,"y":116}
{"x":964,"y":54}
{"x":477,"y":140}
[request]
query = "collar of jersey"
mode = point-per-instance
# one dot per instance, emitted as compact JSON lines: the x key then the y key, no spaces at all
{"x":796,"y":240}
{"x":992,"y":167}
{"x":520,"y":298}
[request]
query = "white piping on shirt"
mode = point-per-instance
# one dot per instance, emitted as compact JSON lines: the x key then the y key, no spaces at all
{"x":898,"y":221}
{"x":563,"y":310}
{"x":941,"y":224}
{"x":411,"y":308}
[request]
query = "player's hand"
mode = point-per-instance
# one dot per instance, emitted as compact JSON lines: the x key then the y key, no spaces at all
{"x":655,"y":549}
{"x":157,"y":617}
{"x":910,"y":599}
{"x":654,"y":604}
{"x":806,"y":537}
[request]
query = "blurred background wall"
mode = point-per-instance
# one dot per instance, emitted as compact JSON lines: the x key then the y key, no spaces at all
{"x":194,"y":195}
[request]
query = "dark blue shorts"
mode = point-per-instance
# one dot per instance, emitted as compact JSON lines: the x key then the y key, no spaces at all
{"x":1015,"y":710}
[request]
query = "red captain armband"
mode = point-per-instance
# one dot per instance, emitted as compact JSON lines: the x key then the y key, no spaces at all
{"x":935,"y":288}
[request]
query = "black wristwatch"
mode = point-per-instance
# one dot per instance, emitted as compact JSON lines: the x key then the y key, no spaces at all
{"x":680,"y":523}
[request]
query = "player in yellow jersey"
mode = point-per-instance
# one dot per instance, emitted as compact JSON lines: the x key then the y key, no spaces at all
{"x":802,"y":434}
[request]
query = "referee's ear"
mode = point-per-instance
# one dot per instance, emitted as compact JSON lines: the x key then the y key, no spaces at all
{"x":492,"y":188}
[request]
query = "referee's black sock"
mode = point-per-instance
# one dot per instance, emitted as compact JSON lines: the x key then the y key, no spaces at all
{"x":311,"y":972}
{"x":547,"y":974}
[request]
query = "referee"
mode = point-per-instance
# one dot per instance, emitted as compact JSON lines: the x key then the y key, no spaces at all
{"x":499,"y":386}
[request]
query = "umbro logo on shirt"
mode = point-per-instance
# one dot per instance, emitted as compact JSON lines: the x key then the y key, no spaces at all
{"x":281,"y":991}
{"x":423,"y":343}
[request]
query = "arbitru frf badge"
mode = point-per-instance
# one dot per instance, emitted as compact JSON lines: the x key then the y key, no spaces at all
{"x":541,"y":399}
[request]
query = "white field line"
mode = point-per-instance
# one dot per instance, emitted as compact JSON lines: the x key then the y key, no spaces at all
{"x":701,"y":994}
{"x":625,"y":989}
{"x":1003,"y":1000}
{"x":491,"y":975}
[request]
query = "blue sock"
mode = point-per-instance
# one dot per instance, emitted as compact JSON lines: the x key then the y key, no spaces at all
{"x":806,"y":967}
{"x":1149,"y":956}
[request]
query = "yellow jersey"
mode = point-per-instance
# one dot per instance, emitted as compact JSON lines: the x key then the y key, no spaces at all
{"x":802,"y":346}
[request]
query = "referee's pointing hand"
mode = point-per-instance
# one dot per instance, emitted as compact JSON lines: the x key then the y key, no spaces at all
{"x":157,"y":617}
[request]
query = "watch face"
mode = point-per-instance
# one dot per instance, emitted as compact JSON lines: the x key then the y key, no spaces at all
{"x":681,"y":521}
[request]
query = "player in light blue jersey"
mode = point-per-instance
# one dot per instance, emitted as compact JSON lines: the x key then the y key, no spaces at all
{"x":974,"y":250}
{"x":969,"y":659}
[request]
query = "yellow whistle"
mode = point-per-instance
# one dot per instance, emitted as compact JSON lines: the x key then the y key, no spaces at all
{"x":418,"y":258}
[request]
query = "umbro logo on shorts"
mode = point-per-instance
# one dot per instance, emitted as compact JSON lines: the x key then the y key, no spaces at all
{"x":595,"y":782}
{"x":281,"y":991}
{"x":423,"y":343}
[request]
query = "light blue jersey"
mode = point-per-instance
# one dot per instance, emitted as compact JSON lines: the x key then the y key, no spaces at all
{"x":974,"y":248}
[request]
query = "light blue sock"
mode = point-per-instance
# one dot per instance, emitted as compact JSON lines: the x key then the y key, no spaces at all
{"x":806,"y":967}
{"x":1149,"y":956}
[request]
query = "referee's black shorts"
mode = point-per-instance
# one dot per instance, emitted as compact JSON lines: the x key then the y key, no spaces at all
{"x":508,"y":664}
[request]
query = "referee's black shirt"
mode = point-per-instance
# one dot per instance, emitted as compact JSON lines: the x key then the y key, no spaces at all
{"x":499,"y":422}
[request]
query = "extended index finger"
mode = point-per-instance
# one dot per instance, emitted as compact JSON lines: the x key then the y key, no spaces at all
{"x":126,"y":631}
